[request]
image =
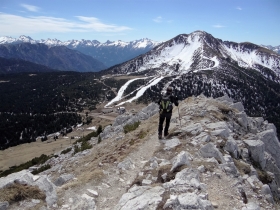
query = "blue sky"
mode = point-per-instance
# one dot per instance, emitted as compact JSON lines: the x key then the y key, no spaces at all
{"x":256,"y":21}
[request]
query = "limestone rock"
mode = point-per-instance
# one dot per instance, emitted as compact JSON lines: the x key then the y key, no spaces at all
{"x":239,"y":106}
{"x":256,"y":149}
{"x":4,"y":205}
{"x":63,"y":179}
{"x":251,"y":206}
{"x":224,"y":133}
{"x":209,"y":150}
{"x":22,"y":177}
{"x":126,"y":164}
{"x":49,"y":188}
{"x":231,"y":147}
{"x":193,"y":129}
{"x":170,"y":144}
{"x":181,"y":159}
{"x":271,"y":144}
{"x":141,"y":197}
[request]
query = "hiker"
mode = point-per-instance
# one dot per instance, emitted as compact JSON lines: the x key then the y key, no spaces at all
{"x":165,"y":110}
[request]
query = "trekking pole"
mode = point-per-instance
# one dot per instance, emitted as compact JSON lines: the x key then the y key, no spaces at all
{"x":179,"y":116}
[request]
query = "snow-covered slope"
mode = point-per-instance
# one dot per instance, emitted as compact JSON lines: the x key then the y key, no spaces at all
{"x":201,"y":51}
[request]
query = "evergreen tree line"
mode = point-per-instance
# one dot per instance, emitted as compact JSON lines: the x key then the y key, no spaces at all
{"x":39,"y":104}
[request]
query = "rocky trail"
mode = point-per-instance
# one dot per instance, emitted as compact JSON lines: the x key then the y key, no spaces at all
{"x":219,"y":158}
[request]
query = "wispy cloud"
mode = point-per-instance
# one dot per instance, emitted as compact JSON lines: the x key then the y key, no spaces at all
{"x":218,"y":26}
{"x":15,"y":25}
{"x":158,"y":19}
{"x":31,"y":8}
{"x":239,"y":8}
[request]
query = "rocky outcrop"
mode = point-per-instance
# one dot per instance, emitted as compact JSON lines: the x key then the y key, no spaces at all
{"x":215,"y":159}
{"x":116,"y":129}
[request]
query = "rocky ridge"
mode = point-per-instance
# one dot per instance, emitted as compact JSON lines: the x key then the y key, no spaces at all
{"x":216,"y":157}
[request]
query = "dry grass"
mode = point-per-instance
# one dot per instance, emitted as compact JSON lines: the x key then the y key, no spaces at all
{"x":22,"y":153}
{"x":242,"y":167}
{"x":18,"y":192}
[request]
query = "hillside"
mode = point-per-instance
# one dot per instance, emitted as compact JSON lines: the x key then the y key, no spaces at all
{"x":215,"y":157}
{"x":57,"y":57}
{"x":8,"y":66}
{"x":40,"y":104}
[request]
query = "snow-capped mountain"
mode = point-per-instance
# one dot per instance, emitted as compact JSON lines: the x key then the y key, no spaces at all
{"x":275,"y":49}
{"x":198,"y":63}
{"x":109,"y":52}
{"x":200,"y":51}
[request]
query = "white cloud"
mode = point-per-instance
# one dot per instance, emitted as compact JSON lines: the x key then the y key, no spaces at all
{"x":158,"y":19}
{"x":17,"y":25}
{"x":239,"y":8}
{"x":218,"y":26}
{"x":30,"y":7}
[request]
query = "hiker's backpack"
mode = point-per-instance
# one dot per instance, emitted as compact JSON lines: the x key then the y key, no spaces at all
{"x":165,"y":104}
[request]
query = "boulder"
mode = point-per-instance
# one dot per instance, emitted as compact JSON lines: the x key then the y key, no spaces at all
{"x":141,"y":197}
{"x":181,"y":159}
{"x":189,"y":201}
{"x":49,"y":188}
{"x":251,"y":206}
{"x":4,"y":205}
{"x":170,"y":144}
{"x":209,"y":150}
{"x":22,"y":177}
{"x":271,"y":144}
{"x":217,"y":125}
{"x":242,"y":119}
{"x":202,"y":138}
{"x":225,"y":98}
{"x":256,"y":151}
{"x":126,"y":164}
{"x":63,"y":179}
{"x":184,"y":180}
{"x":148,"y":111}
{"x":193,"y":129}
{"x":231,"y":147}
{"x":121,"y":119}
{"x":223,"y":133}
{"x":239,"y":106}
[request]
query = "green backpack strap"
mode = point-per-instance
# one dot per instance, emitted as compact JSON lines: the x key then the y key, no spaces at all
{"x":164,"y":106}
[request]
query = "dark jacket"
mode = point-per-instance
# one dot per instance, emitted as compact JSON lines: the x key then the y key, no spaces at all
{"x":167,"y":97}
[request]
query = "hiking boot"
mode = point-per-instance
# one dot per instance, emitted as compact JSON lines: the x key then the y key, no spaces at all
{"x":159,"y":136}
{"x":166,"y":134}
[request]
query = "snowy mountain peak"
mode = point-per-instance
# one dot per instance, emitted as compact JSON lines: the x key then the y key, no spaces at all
{"x":200,"y":51}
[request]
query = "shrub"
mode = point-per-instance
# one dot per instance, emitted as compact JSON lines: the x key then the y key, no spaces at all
{"x":35,"y":161}
{"x":42,"y":168}
{"x":66,"y":150}
{"x":142,"y":134}
{"x":131,"y":127}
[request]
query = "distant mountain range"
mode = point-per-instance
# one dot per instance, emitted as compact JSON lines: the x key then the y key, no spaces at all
{"x":275,"y":49}
{"x":110,"y":53}
{"x":57,"y":57}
